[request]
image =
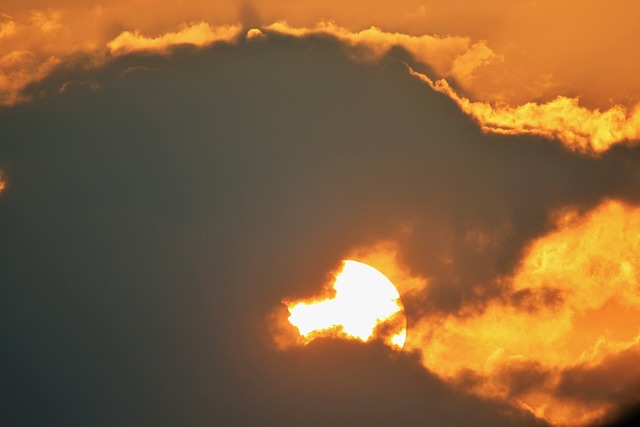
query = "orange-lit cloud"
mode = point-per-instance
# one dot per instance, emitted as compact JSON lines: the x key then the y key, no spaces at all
{"x":20,"y":68}
{"x":504,"y":90}
{"x":255,"y":33}
{"x":563,"y":118}
{"x":579,"y":128}
{"x":543,"y":49}
{"x":449,"y":56}
{"x":200,"y":34}
{"x":40,"y":41}
{"x":25,"y":56}
{"x":33,"y":43}
{"x":563,"y":341}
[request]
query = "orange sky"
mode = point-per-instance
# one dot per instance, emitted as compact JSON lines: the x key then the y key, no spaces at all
{"x":546,"y":48}
{"x":498,"y":55}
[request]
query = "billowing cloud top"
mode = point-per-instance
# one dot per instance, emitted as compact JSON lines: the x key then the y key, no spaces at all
{"x":504,"y":90}
{"x":168,"y":178}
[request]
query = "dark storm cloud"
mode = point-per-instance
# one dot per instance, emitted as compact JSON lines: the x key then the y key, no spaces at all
{"x":149,"y":226}
{"x":614,"y":380}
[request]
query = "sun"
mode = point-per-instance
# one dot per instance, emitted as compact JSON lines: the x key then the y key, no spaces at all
{"x":366,"y":306}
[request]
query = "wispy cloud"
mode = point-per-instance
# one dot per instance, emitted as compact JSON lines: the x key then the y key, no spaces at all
{"x":579,"y":128}
{"x":199,"y":34}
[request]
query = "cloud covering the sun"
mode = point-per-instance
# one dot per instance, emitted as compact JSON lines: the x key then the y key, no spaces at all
{"x":171,"y":210}
{"x":166,"y":180}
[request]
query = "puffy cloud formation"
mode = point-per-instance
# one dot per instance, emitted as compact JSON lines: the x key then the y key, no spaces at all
{"x":561,"y":340}
{"x":26,"y":54}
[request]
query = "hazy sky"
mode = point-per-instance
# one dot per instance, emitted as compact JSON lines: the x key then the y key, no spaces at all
{"x":170,"y":173}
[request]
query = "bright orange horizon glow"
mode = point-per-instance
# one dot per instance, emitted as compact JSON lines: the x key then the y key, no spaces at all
{"x":366,"y":305}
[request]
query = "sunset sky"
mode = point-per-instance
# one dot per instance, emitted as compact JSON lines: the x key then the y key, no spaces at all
{"x":176,"y":176}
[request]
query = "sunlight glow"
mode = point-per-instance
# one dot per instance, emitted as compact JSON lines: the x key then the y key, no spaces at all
{"x":366,"y":305}
{"x":569,"y":318}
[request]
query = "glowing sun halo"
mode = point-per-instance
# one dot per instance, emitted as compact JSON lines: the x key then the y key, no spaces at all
{"x":366,"y":305}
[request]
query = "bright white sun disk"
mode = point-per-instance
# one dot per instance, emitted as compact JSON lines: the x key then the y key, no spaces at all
{"x":364,"y":299}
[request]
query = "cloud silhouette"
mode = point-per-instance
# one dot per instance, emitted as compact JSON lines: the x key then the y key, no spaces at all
{"x":152,"y":223}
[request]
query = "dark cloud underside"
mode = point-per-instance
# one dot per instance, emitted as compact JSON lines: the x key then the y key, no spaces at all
{"x":148,"y":227}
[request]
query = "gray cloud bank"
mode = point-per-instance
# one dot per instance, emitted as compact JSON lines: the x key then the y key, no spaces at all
{"x":160,"y":206}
